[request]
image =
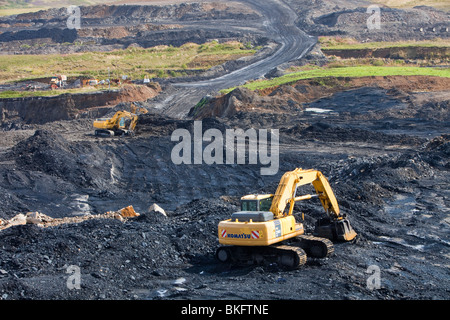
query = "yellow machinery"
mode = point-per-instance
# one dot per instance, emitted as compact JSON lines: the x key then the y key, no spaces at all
{"x":265,"y":231}
{"x":58,"y":81}
{"x":138,"y":109}
{"x":122,"y":123}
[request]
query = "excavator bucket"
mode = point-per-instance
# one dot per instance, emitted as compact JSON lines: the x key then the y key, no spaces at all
{"x":339,"y":230}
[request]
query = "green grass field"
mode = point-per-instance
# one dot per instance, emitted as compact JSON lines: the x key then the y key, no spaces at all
{"x":351,"y":44}
{"x":135,"y":63}
{"x":359,"y":71}
{"x":361,"y":67}
{"x":162,"y":61}
{"x":438,"y":4}
{"x":10,"y":7}
{"x":46,"y":93}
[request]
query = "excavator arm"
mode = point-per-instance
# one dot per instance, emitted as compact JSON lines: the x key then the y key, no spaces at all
{"x":336,"y":225}
{"x":326,"y":196}
{"x":133,"y":123}
{"x":287,"y":188}
{"x":114,"y":122}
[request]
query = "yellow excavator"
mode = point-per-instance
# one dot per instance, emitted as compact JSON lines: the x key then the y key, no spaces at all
{"x":121,"y":123}
{"x":266,"y":231}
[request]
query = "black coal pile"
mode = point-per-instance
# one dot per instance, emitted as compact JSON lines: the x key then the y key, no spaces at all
{"x":161,"y":125}
{"x":117,"y":260}
{"x":324,"y":131}
{"x":437,"y":152}
{"x":57,"y":35}
{"x":348,"y":18}
{"x":395,"y":171}
{"x":382,"y":192}
{"x":393,"y":203}
{"x":49,"y":173}
{"x":47,"y":152}
{"x":12,"y":205}
{"x":395,"y":195}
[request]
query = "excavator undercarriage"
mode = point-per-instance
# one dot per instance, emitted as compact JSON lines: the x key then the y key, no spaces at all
{"x":284,"y":255}
{"x":290,"y":255}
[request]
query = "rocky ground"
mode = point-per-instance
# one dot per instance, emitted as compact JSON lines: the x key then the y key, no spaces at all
{"x":108,"y":27}
{"x":392,"y":185}
{"x":383,"y":144}
{"x":349,"y":18}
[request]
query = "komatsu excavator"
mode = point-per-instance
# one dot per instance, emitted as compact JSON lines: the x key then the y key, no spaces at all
{"x":121,"y":123}
{"x":266,"y":231}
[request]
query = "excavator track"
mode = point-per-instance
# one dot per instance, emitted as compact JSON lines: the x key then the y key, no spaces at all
{"x":290,"y":256}
{"x":103,"y":133}
{"x":316,"y":247}
{"x":287,"y":256}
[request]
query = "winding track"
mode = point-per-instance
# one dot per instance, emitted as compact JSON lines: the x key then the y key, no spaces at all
{"x":278,"y":25}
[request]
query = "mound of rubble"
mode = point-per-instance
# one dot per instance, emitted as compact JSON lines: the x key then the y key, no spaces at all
{"x":170,"y":254}
{"x":351,"y":19}
{"x":43,"y":220}
{"x":294,"y":98}
{"x":109,"y":27}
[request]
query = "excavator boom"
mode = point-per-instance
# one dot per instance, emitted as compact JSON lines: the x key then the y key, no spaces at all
{"x":287,"y":188}
{"x":335,"y":226}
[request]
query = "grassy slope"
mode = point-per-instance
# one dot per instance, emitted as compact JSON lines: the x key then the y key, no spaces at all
{"x":356,"y":67}
{"x":360,"y":71}
{"x":438,"y":4}
{"x":135,"y":63}
{"x":47,"y":93}
{"x":161,"y":61}
{"x":349,"y":44}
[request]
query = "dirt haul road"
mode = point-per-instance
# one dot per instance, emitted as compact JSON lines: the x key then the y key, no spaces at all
{"x":277,"y":24}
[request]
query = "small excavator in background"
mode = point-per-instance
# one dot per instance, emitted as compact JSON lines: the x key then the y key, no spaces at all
{"x":264,"y":231}
{"x":121,"y":123}
{"x":58,"y":81}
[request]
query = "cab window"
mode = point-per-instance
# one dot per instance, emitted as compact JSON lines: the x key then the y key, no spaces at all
{"x":265,"y":204}
{"x":249,"y":205}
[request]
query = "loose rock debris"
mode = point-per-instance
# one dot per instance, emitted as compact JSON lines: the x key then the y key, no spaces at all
{"x":43,"y":220}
